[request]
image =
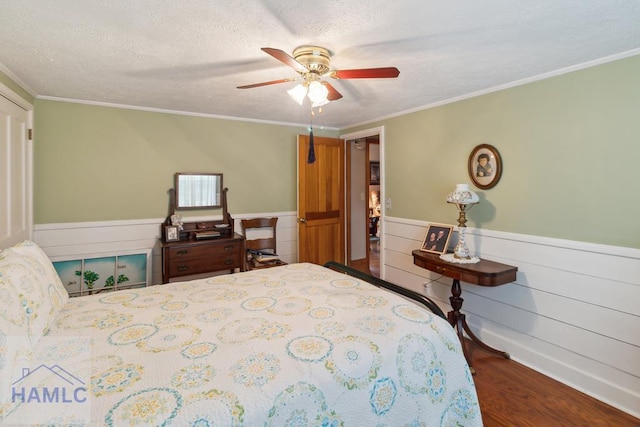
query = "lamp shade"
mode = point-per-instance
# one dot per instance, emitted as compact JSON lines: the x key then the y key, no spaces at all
{"x":318,"y":94}
{"x":463,"y":196}
{"x":298,"y":93}
{"x":464,"y":199}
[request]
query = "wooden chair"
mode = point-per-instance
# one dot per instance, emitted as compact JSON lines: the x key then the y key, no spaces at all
{"x":260,"y":235}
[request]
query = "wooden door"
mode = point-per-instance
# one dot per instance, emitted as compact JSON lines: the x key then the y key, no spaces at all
{"x":16,"y":174}
{"x":321,"y":201}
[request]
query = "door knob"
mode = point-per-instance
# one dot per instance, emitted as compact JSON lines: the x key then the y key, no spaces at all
{"x":302,"y":220}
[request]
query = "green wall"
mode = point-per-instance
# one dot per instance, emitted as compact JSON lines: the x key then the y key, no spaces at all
{"x":95,"y":163}
{"x":570,"y":147}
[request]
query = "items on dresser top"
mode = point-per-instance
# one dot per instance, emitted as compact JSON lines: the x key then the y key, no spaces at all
{"x":200,"y":247}
{"x":201,"y":235}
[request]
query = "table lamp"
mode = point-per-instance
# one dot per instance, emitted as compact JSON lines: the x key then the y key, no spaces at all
{"x":464,"y":199}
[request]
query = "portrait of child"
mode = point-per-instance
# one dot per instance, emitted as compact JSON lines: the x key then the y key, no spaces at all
{"x":484,"y":168}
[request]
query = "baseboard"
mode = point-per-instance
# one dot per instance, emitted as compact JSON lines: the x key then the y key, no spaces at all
{"x":596,"y":387}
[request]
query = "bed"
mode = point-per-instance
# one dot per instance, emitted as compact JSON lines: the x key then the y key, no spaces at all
{"x":295,"y":345}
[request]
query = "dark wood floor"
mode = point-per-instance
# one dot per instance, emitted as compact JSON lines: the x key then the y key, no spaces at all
{"x":374,"y":257}
{"x":511,"y":394}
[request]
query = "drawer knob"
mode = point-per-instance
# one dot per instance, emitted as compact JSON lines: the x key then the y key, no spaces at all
{"x":228,"y":262}
{"x":228,"y":248}
{"x":182,"y":268}
{"x":182,"y":252}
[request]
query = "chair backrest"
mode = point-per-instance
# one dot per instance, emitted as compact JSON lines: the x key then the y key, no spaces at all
{"x":260,"y":233}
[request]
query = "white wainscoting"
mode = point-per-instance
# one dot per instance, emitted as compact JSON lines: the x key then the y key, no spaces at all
{"x":572,"y":313}
{"x":84,"y":239}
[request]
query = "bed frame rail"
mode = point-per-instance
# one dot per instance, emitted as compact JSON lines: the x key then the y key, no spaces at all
{"x":419,"y":298}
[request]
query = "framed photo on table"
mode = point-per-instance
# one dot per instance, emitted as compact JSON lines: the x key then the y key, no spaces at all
{"x":436,"y":240}
{"x":485,"y":166}
{"x":171,"y":233}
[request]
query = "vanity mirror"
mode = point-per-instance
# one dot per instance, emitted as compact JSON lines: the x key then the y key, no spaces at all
{"x":204,"y":244}
{"x":198,"y":190}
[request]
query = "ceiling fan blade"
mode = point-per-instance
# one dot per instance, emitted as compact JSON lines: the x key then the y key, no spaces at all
{"x":272,"y":82}
{"x":284,"y":57}
{"x":366,"y":73}
{"x":333,"y":95}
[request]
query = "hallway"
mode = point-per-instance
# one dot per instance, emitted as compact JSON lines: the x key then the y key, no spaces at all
{"x":374,"y":256}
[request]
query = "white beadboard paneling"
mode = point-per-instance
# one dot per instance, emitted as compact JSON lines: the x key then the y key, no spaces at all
{"x":399,"y":244}
{"x":400,"y":228}
{"x":611,"y":385}
{"x":399,"y":259}
{"x":571,"y":313}
{"x":86,"y":238}
{"x":570,"y":336}
{"x":107,"y":231}
{"x":590,"y":260}
{"x":90,"y":247}
{"x":590,"y":289}
{"x":596,"y":318}
{"x":400,"y":277}
{"x":441,"y":289}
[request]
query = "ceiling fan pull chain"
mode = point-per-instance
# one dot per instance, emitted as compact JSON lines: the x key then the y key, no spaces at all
{"x":311,"y":158}
{"x":312,"y":152}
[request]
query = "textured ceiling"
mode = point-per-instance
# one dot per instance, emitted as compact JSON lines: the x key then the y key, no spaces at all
{"x":190,"y":55}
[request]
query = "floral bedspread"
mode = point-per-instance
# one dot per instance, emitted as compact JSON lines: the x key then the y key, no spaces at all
{"x":296,"y":345}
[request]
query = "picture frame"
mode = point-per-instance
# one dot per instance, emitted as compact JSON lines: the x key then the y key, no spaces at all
{"x":374,"y":173}
{"x":171,"y":233}
{"x":485,"y":166}
{"x":436,"y":239}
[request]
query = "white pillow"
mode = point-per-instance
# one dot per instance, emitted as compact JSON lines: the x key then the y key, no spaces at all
{"x":31,"y":288}
{"x":18,"y":328}
{"x":31,"y":295}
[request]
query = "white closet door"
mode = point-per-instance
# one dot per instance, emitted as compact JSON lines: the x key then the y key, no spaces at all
{"x":16,"y":171}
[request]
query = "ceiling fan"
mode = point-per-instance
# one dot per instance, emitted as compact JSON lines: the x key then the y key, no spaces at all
{"x":313,"y":64}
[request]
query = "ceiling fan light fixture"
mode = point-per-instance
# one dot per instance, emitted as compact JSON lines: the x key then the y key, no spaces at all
{"x":320,"y":103}
{"x":318,"y":94}
{"x":313,"y":63}
{"x":298,"y":93}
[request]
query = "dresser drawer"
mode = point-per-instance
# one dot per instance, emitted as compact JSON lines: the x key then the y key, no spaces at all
{"x":212,"y":249}
{"x":196,"y":257}
{"x":186,"y":267}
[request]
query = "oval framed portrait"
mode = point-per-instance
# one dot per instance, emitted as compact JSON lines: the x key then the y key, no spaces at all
{"x":485,"y":166}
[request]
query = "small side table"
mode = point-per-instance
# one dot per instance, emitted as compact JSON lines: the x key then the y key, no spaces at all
{"x":483,"y":273}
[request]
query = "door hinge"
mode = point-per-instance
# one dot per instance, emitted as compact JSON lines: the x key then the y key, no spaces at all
{"x":30,"y":134}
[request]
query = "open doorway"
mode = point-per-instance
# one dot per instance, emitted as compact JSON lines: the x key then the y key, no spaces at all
{"x":365,"y":210}
{"x":375,"y":205}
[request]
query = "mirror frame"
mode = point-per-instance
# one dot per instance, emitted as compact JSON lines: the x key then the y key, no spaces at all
{"x":219,"y":190}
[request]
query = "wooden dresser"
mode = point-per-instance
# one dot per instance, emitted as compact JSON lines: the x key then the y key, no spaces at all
{"x":200,"y":247}
{"x":188,"y":257}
